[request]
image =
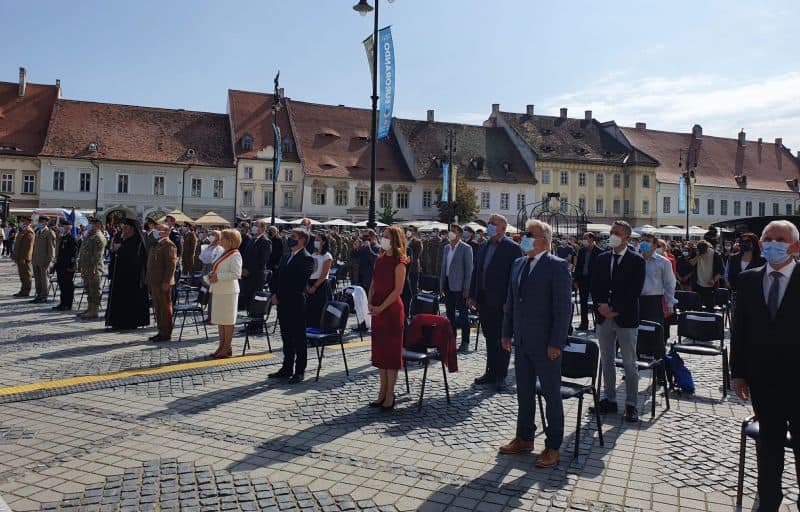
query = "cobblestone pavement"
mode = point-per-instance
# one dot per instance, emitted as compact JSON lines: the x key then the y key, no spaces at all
{"x":224,"y":438}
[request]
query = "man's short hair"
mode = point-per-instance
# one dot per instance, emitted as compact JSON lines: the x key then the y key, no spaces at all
{"x":547,"y":231}
{"x":456,"y":227}
{"x":783,"y":224}
{"x":589,"y":235}
{"x":624,"y":225}
{"x":168,"y":217}
{"x":497,"y":216}
{"x":301,"y":233}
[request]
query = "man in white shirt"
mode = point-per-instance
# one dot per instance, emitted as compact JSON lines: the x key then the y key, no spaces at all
{"x":659,"y":282}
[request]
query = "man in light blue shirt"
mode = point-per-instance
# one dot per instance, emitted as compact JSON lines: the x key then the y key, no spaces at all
{"x":659,"y":282}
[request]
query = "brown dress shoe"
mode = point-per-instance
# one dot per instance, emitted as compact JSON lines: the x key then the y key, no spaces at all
{"x":517,"y":445}
{"x":548,"y":458}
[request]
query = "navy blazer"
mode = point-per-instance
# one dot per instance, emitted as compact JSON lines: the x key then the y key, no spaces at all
{"x":256,"y":258}
{"x":539,"y":315}
{"x":497,"y":273}
{"x":290,"y":281}
{"x":623,"y":291}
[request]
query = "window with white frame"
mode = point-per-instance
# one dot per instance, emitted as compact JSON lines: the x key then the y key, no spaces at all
{"x":289,"y":176}
{"x":737,"y":208}
{"x":545,"y":177}
{"x":197,"y":187}
{"x":627,"y":181}
{"x":564,"y":204}
{"x":667,"y":204}
{"x":287,"y":145}
{"x":267,"y":199}
{"x":288,"y":199}
{"x":581,"y":179}
{"x":219,"y":187}
{"x":158,"y":185}
{"x":362,"y":198}
{"x":645,"y":207}
{"x":789,"y":209}
{"x":615,"y":206}
{"x":748,"y":208}
{"x":723,"y":207}
{"x":402,"y":199}
{"x":268,"y":173}
{"x":485,"y":200}
{"x":762,"y":209}
{"x":598,"y":205}
{"x":248,"y":173}
{"x":710,"y":206}
{"x":776,"y":209}
{"x":427,"y":199}
{"x":318,"y":195}
{"x":385,"y":199}
{"x":600,"y":180}
{"x":520,"y":201}
{"x":645,"y":181}
{"x":616,"y":180}
{"x":504,"y":200}
{"x":341,"y":196}
{"x":582,"y":204}
{"x":7,"y":183}
{"x":247,"y":197}
{"x":29,"y":184}
{"x":564,"y":178}
{"x":58,"y":179}
{"x":86,"y":182}
{"x":627,"y":206}
{"x":122,"y":183}
{"x":696,"y":207}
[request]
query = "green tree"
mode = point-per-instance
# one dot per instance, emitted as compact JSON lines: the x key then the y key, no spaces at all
{"x":388,"y":216}
{"x":465,"y":206}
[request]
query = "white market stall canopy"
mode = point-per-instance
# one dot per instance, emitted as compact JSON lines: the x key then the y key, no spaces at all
{"x":297,"y":222}
{"x":647,"y":229}
{"x":363,"y":224}
{"x":212,"y":219}
{"x":337,"y":222}
{"x":670,"y":231}
{"x":598,"y":228}
{"x":278,"y":220}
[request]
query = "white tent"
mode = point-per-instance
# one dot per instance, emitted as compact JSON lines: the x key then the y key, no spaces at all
{"x":697,"y":231}
{"x":670,"y":231}
{"x":647,"y":229}
{"x":278,"y":220}
{"x":297,"y":222}
{"x":475,"y":226}
{"x":417,"y":223}
{"x":433,"y":226}
{"x":337,"y":222}
{"x":598,"y":228}
{"x":363,"y":224}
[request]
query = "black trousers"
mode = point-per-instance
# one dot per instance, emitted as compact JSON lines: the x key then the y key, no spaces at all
{"x":66,"y":287}
{"x":455,"y":301}
{"x":651,"y":307}
{"x":583,"y":294}
{"x":706,"y":296}
{"x":292,"y":319}
{"x":497,"y":359}
{"x":775,"y":415}
{"x":7,"y":247}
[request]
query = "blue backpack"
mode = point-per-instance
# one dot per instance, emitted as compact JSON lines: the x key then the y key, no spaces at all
{"x":681,"y":376}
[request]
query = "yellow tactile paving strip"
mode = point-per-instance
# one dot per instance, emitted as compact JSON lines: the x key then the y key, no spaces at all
{"x":90,"y":379}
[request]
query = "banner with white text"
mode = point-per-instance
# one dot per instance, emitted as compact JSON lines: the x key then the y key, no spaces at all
{"x":386,"y":78}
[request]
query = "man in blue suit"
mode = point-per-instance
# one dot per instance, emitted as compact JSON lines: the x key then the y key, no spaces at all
{"x":617,"y":279}
{"x":538,"y":314}
{"x":488,"y":293}
{"x":454,"y":279}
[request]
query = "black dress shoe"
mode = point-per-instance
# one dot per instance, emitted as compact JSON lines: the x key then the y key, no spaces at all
{"x":60,"y":307}
{"x":583,"y":327}
{"x":631,"y":416}
{"x":606,"y":406}
{"x":296,"y":378}
{"x":37,"y":300}
{"x":484,"y":379}
{"x":280,"y":374}
{"x":158,"y":337}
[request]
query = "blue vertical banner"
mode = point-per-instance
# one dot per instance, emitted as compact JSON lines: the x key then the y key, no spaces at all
{"x":445,"y":182}
{"x":682,"y":195}
{"x":276,"y":165}
{"x":386,"y":78}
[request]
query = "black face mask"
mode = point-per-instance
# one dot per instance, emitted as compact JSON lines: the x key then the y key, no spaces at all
{"x":746,"y":246}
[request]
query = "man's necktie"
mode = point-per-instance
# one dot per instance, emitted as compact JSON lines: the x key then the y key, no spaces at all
{"x":614,"y":265}
{"x":526,"y":272}
{"x":772,"y":298}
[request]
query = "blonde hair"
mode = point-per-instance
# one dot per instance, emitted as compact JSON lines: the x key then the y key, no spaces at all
{"x":233,"y":235}
{"x":398,"y":241}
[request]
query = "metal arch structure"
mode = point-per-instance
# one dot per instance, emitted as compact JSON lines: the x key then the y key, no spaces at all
{"x":564,"y":218}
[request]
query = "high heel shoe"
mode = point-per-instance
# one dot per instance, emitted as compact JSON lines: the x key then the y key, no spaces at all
{"x":376,"y":403}
{"x":222,"y":355}
{"x":389,"y":408}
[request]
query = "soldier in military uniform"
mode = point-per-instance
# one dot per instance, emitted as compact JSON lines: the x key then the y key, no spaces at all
{"x":90,"y":265}
{"x":65,"y":266}
{"x":23,"y":252}
{"x":44,"y":252}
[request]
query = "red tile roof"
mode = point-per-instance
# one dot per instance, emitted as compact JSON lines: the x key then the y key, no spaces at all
{"x":333,"y":142}
{"x":138,"y":134}
{"x":719,"y":159}
{"x":251,"y":115}
{"x":23,"y":121}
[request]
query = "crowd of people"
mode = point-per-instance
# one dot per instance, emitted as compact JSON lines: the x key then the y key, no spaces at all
{"x":520,"y":288}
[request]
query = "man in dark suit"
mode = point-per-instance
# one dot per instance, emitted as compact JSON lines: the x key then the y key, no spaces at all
{"x":277,"y":249}
{"x":488,"y":293}
{"x":765,"y":353}
{"x":617,"y":278}
{"x":583,"y":272}
{"x":177,"y":240}
{"x":365,"y":252}
{"x":254,"y":266}
{"x":289,"y":294}
{"x":66,"y":257}
{"x":538,"y":314}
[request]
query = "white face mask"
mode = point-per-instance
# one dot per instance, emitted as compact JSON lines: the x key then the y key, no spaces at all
{"x":585,"y":243}
{"x":614,"y":241}
{"x":317,"y":245}
{"x":212,"y":239}
{"x":409,"y":234}
{"x":386,"y":244}
{"x":660,"y":251}
{"x":451,"y":236}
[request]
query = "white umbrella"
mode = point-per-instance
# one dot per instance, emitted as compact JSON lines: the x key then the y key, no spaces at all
{"x":363,"y":224}
{"x":511,"y":229}
{"x":670,"y":231}
{"x":475,"y":226}
{"x":337,"y":222}
{"x":417,"y":223}
{"x":278,"y":220}
{"x":299,"y":221}
{"x":697,"y":231}
{"x":598,"y":228}
{"x":433,"y":226}
{"x":647,"y":229}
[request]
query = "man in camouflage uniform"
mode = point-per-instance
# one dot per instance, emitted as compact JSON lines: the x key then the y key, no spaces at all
{"x":90,"y":265}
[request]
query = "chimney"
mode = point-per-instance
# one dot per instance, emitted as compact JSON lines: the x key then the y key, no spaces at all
{"x":759,"y":148}
{"x":529,"y":110}
{"x":742,"y":139}
{"x":779,"y":142}
{"x":430,"y":116}
{"x":495,"y":109}
{"x":641,"y":126}
{"x":280,"y":92}
{"x":23,"y":81}
{"x":697,"y":132}
{"x":563,"y":112}
{"x":58,"y":88}
{"x":587,"y":115}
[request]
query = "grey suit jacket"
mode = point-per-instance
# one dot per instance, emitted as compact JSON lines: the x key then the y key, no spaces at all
{"x":460,"y":269}
{"x":539,"y":315}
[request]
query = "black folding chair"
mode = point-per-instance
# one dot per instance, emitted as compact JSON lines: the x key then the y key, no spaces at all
{"x":705,"y":336}
{"x":257,"y":313}
{"x":685,"y":301}
{"x":750,"y":429}
{"x":425,"y":303}
{"x":196,"y":309}
{"x":722,"y":304}
{"x":332,"y":326}
{"x":580,"y":359}
{"x":429,"y":283}
{"x":650,"y":352}
{"x":424,"y":359}
{"x":188,"y":285}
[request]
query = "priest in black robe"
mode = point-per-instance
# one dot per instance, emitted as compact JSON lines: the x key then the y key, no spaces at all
{"x":128,"y":306}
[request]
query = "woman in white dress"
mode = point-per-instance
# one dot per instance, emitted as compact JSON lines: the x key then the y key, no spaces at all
{"x":224,"y":278}
{"x":318,"y":290}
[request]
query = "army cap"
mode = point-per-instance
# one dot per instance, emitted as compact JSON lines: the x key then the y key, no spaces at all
{"x":95,"y":220}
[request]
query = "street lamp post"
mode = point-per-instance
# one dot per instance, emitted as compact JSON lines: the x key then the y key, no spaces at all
{"x":688,"y":180}
{"x":276,"y":106}
{"x":363,"y":8}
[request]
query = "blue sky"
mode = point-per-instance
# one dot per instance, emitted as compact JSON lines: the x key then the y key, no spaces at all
{"x":724,"y":64}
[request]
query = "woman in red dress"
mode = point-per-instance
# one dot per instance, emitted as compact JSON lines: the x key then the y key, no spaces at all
{"x":388,"y":316}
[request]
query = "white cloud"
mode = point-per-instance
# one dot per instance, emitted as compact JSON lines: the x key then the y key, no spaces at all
{"x":766,"y":107}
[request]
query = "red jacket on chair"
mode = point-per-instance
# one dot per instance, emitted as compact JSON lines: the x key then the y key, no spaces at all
{"x":442,"y":338}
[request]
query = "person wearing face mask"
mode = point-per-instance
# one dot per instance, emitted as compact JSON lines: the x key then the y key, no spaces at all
{"x":189,"y":248}
{"x":663,"y":250}
{"x":565,"y":251}
{"x":289,"y":294}
{"x":127,"y":306}
{"x":765,"y":353}
{"x":488,"y":293}
{"x":254,"y":267}
{"x":658,"y":292}
{"x":583,"y":274}
{"x":65,"y":267}
{"x":749,"y":256}
{"x":414,"y":250}
{"x":538,"y":315}
{"x":22,"y":254}
{"x":617,"y":280}
{"x":468,"y":236}
{"x":707,"y":272}
{"x":454,"y":279}
{"x":365,"y":252}
{"x":90,"y":265}
{"x":44,"y":252}
{"x":161,"y":263}
{"x":684,"y":270}
{"x":277,"y":248}
{"x":208,"y":255}
{"x":318,"y":290}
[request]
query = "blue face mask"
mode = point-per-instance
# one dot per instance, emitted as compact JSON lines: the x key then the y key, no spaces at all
{"x":491,"y":230}
{"x":465,"y":235}
{"x":254,"y":230}
{"x":155,"y":234}
{"x":644,"y":247}
{"x":291,"y":243}
{"x":775,"y":252}
{"x":526,"y":244}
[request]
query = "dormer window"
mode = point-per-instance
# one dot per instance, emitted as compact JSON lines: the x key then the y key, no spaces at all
{"x":247,"y":143}
{"x":191,"y":153}
{"x":287,"y":145}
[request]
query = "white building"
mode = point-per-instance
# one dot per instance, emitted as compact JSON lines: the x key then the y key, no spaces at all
{"x":147,"y":161}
